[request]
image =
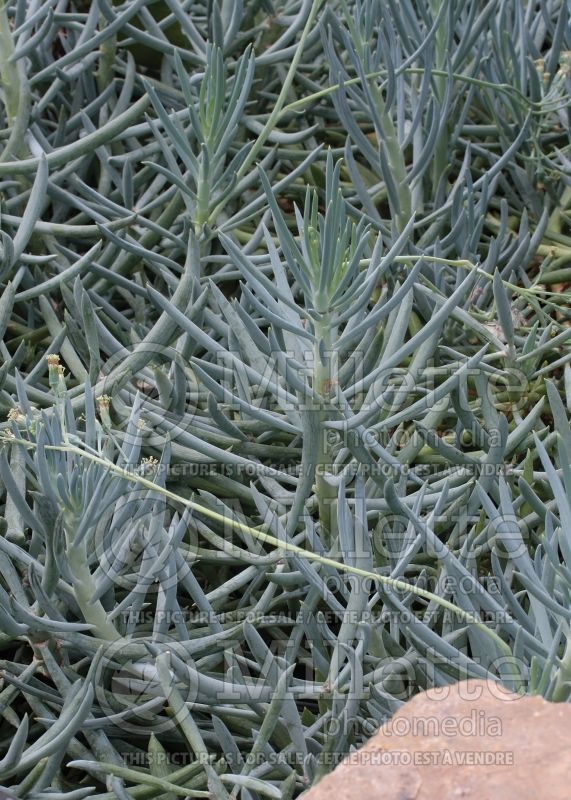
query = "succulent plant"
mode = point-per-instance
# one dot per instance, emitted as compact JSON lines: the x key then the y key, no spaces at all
{"x":285,"y":381}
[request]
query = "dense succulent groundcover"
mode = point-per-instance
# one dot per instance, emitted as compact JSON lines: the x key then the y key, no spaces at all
{"x":284,"y":382}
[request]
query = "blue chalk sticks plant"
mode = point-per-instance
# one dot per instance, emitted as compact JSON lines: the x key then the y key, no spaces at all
{"x":285,"y":380}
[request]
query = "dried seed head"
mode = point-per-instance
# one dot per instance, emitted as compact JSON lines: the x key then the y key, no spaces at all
{"x":148,"y":465}
{"x":54,"y":368}
{"x":565,"y":63}
{"x":103,"y":403}
{"x":15,"y":414}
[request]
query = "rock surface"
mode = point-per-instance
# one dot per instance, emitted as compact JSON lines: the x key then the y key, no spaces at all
{"x":470,"y":740}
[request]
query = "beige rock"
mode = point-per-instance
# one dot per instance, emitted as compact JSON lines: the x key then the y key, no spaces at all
{"x":471,"y":740}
